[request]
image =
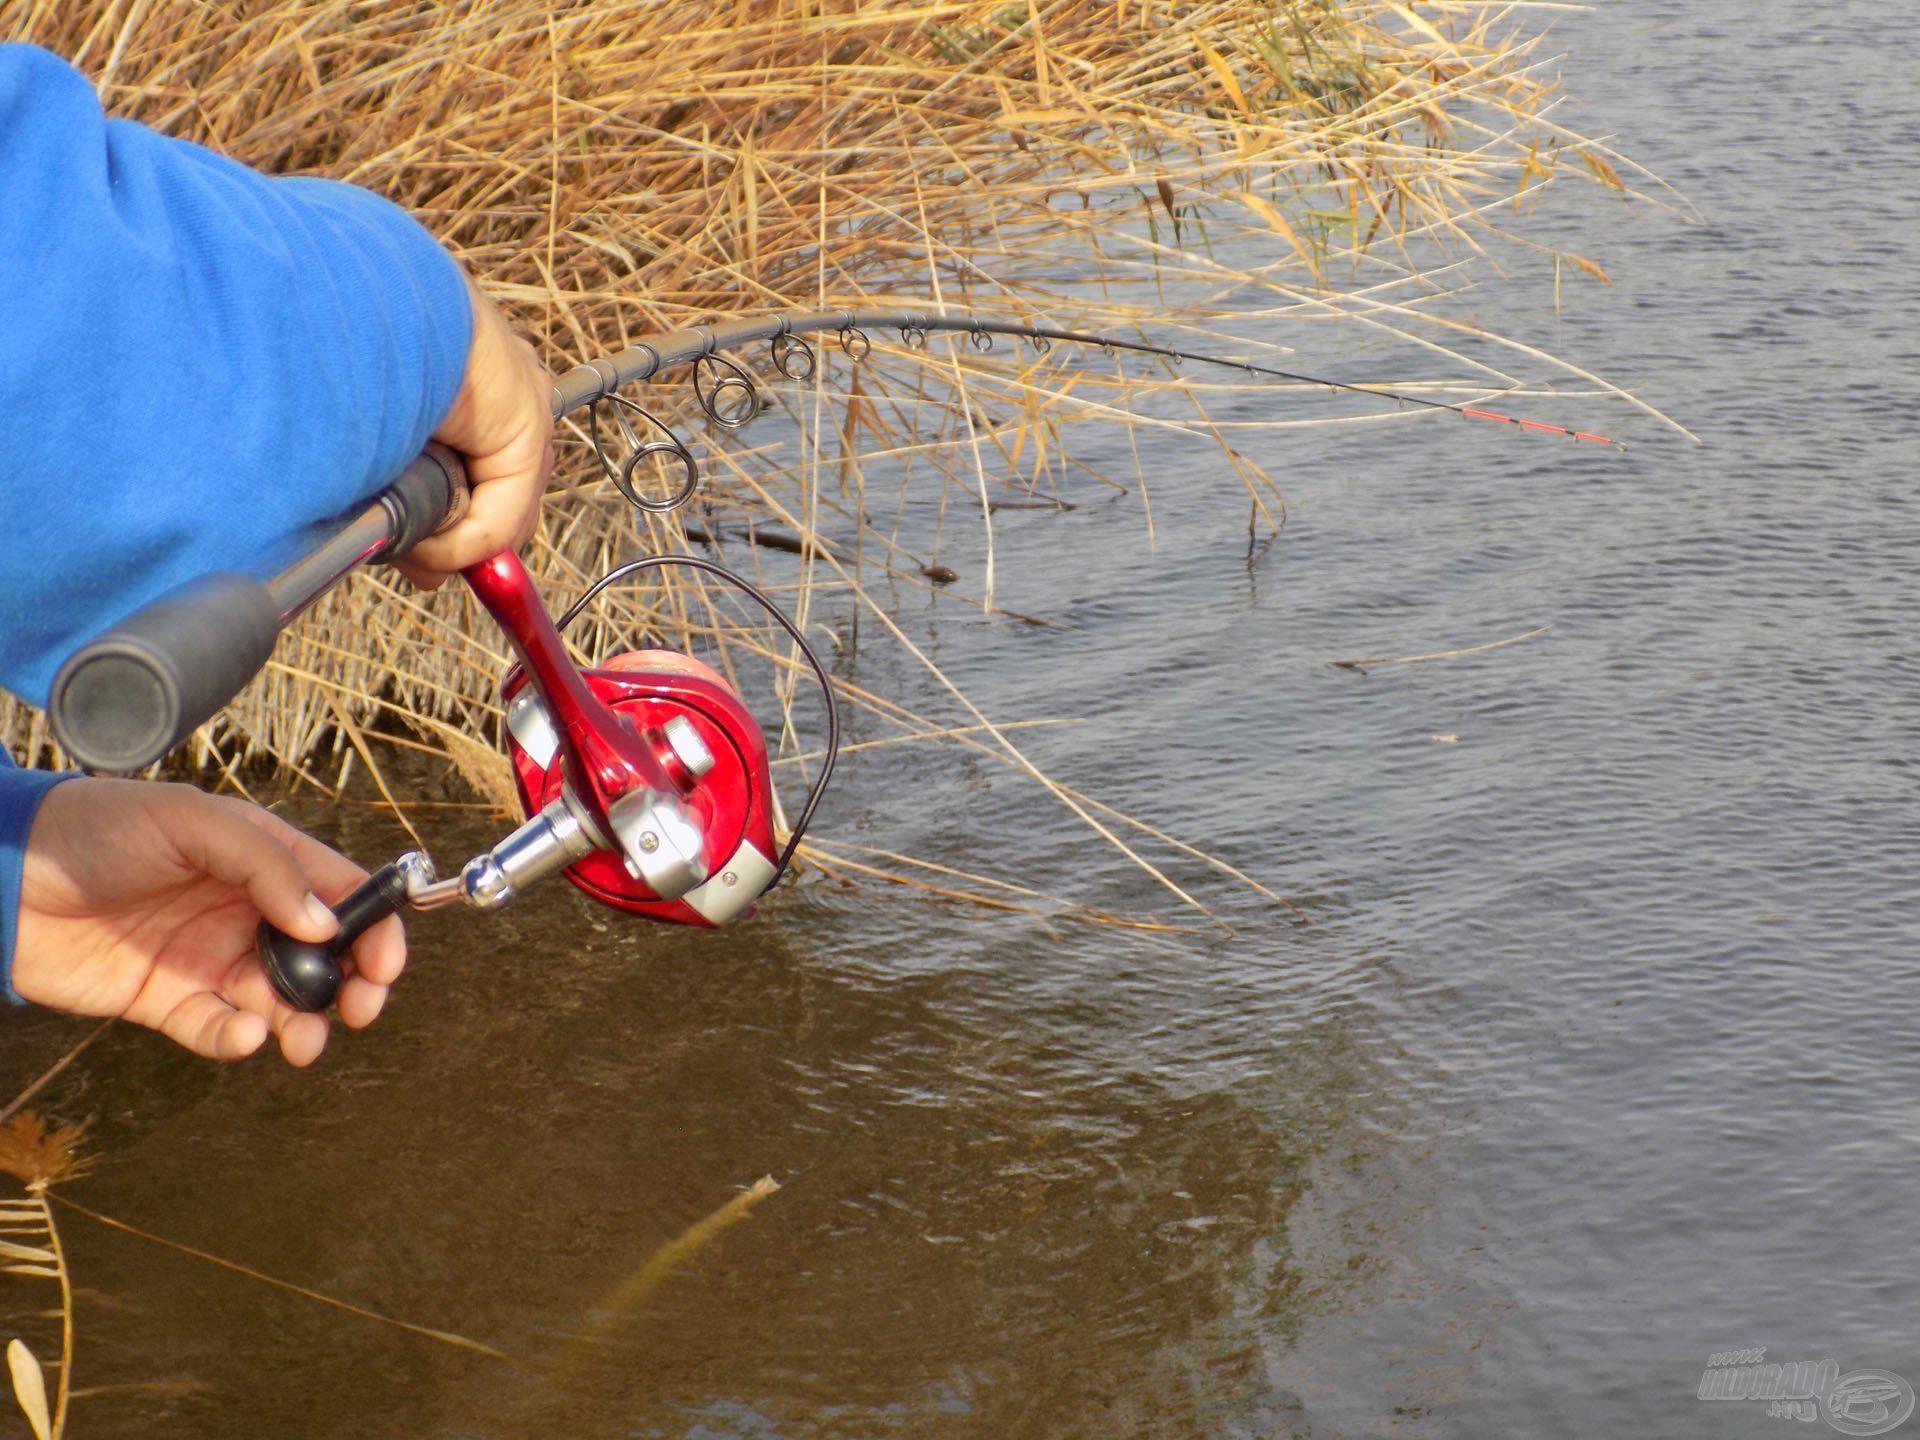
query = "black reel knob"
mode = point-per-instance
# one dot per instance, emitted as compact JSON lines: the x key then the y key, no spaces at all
{"x":307,"y":974}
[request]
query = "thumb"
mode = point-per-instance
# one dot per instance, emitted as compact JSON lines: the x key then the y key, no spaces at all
{"x":214,"y":836}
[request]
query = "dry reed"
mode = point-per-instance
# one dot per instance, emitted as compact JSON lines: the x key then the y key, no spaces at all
{"x":39,"y":1158}
{"x":610,"y":169}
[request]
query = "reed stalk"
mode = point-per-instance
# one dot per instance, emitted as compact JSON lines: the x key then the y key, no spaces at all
{"x":39,"y":1158}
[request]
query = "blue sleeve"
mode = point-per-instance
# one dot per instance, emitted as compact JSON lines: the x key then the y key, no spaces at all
{"x":20,"y":794}
{"x":195,"y":360}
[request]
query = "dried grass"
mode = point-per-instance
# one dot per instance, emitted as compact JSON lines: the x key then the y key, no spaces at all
{"x":611,"y":169}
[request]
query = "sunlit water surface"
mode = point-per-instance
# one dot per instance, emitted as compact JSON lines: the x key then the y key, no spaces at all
{"x":1596,"y":1058}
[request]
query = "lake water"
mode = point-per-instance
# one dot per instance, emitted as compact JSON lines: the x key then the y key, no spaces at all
{"x":1597,"y":1057}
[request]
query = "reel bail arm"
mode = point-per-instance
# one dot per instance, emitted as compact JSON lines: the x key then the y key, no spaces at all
{"x":618,"y":785}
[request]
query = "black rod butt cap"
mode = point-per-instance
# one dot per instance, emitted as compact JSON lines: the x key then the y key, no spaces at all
{"x":132,"y":693}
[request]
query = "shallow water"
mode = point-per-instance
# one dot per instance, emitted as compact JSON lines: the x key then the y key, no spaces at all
{"x":1595,"y":1060}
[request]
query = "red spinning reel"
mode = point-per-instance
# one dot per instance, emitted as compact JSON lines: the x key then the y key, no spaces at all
{"x":645,"y":782}
{"x":652,"y":756}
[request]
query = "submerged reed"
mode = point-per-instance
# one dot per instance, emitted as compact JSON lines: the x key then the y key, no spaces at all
{"x":39,"y":1157}
{"x":608,"y":168}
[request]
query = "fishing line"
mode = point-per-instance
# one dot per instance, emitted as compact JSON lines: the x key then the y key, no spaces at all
{"x":695,"y":562}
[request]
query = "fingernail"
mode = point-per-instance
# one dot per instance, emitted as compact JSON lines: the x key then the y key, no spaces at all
{"x":322,"y":916}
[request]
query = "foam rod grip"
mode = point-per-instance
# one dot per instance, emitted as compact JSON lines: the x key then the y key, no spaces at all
{"x":426,"y":497}
{"x":128,"y":696}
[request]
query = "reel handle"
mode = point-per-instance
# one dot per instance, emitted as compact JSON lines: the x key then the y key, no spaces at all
{"x":307,"y":975}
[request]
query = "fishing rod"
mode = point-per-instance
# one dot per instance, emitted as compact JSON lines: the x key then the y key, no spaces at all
{"x":795,"y":358}
{"x":645,"y":779}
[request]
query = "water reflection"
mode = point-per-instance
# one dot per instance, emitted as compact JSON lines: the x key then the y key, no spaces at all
{"x":1039,"y":1187}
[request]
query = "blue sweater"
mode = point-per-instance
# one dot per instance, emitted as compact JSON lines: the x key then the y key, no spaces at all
{"x":195,"y":362}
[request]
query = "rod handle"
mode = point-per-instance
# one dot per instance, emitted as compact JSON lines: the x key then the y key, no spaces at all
{"x":425,"y":498}
{"x":129,"y":695}
{"x":132,"y":693}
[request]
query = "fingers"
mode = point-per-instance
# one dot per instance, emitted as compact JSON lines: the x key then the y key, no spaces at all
{"x":361,"y":1002}
{"x":247,"y":991}
{"x":375,"y":961}
{"x":230,"y":1019}
{"x":331,"y":873}
{"x":302,"y":1038}
{"x":502,"y":422}
{"x":229,"y":1014}
{"x":422,"y":578}
{"x":209,"y":1026}
{"x":212,"y":838}
{"x":502,"y":514}
{"x":381,"y":954}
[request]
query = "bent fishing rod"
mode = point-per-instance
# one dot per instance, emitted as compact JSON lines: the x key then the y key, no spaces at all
{"x":645,"y":779}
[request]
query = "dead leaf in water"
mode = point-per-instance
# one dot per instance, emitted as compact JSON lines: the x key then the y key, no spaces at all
{"x":35,"y":1155}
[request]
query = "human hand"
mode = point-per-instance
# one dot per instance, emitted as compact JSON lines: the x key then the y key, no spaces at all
{"x":502,"y":423}
{"x":141,"y":900}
